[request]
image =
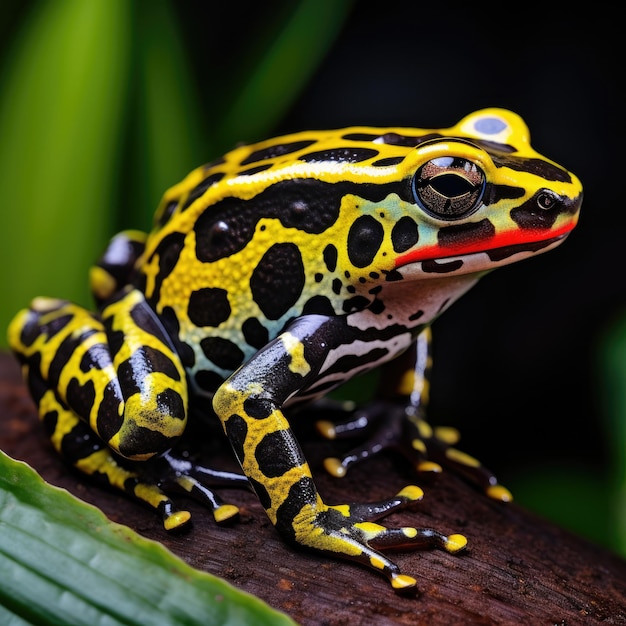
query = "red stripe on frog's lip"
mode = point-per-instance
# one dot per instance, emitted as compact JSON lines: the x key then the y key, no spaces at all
{"x":509,"y":238}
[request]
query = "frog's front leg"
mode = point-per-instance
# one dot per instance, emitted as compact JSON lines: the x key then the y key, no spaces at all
{"x":112,"y":397}
{"x":396,"y":421}
{"x":250,"y":404}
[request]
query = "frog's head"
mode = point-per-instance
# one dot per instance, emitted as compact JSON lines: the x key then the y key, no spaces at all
{"x":484,"y":198}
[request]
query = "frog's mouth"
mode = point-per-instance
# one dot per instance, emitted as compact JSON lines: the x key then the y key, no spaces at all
{"x":477,"y":257}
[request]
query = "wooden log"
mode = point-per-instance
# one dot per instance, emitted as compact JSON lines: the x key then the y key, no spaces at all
{"x":518,"y":569}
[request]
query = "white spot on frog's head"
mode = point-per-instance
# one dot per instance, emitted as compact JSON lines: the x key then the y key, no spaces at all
{"x":490,"y":125}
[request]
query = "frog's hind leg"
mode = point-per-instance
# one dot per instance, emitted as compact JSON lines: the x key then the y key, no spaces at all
{"x":87,"y":453}
{"x":72,"y":371}
{"x":83,"y":449}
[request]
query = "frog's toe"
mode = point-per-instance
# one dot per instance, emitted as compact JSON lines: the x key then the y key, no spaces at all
{"x":392,"y":426}
{"x":346,"y":531}
{"x":225,"y":513}
{"x":176,"y":520}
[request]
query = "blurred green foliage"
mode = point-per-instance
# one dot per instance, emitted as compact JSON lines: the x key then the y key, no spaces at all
{"x":100,"y":114}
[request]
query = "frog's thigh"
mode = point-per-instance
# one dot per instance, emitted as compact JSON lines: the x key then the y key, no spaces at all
{"x":116,"y":372}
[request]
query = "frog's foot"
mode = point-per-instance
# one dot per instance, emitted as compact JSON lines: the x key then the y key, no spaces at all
{"x":392,"y":426}
{"x":347,"y":531}
{"x":191,"y":478}
{"x":151,"y":482}
{"x":148,"y":482}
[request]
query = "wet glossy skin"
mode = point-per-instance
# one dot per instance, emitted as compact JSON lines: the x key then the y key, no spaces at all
{"x":272,"y":276}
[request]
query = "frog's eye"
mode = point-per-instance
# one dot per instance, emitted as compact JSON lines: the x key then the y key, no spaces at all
{"x":449,"y":187}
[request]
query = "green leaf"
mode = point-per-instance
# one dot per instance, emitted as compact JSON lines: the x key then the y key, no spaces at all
{"x":63,"y":562}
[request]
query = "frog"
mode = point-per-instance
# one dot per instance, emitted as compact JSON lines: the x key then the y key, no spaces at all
{"x":272,"y":276}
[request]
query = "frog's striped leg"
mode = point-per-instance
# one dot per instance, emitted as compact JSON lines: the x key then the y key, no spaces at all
{"x":116,"y":371}
{"x":397,"y":422}
{"x":72,"y":368}
{"x":250,"y":403}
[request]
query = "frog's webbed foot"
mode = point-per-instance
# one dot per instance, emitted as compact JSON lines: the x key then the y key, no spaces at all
{"x":391,"y":426}
{"x":350,"y":531}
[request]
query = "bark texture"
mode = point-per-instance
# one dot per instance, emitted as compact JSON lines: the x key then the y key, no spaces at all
{"x":518,"y":569}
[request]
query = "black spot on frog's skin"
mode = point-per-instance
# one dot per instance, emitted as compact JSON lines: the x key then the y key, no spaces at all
{"x":171,"y":403}
{"x":141,"y":440}
{"x":358,"y":303}
{"x":255,"y":334}
{"x":388,"y":161}
{"x":172,"y":327}
{"x":377,"y":307}
{"x":207,"y":380}
{"x":168,"y":252}
{"x":393,"y":275}
{"x":64,"y":352}
{"x":208,"y":306}
{"x":404,"y":234}
{"x":223,"y":352}
{"x":96,"y":357}
{"x":330,"y":257}
{"x":369,"y":137}
{"x":543,"y":169}
{"x":109,"y":420}
{"x":49,"y":422}
{"x":272,"y":464}
{"x":340,"y":155}
{"x":81,"y":397}
{"x":300,"y":492}
{"x":318,"y":305}
{"x":364,"y":240}
{"x":32,"y":329}
{"x":278,"y":280}
{"x":441,"y":267}
{"x":237,"y":431}
{"x":540,"y":212}
{"x":415,"y":316}
{"x":169,"y":209}
{"x":277,"y":150}
{"x":395,"y":139}
{"x":258,"y":408}
{"x":261,"y":492}
{"x":80,"y":443}
{"x":201,"y":188}
{"x":289,"y":201}
{"x":254,"y":170}
{"x":462,"y":234}
{"x":337,"y":285}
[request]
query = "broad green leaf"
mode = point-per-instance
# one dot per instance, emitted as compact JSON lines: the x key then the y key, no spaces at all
{"x":61,"y":105}
{"x":63,"y":562}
